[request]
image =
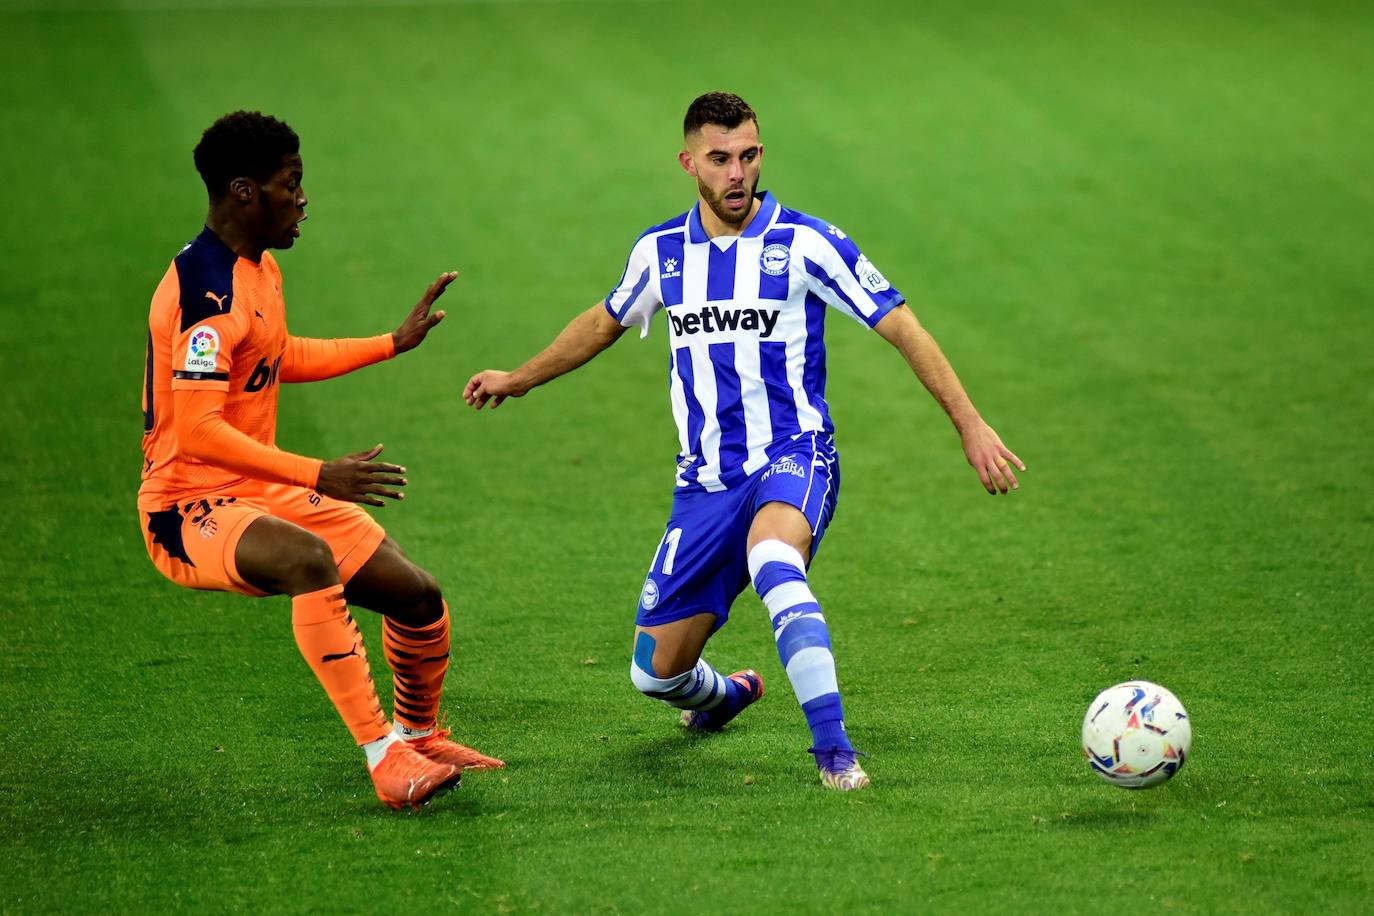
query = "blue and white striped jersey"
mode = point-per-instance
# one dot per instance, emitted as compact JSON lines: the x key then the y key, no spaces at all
{"x":746,"y":318}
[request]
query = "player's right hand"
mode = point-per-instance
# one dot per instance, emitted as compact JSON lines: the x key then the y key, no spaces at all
{"x":990,"y":458}
{"x":490,"y":385}
{"x":359,"y":479}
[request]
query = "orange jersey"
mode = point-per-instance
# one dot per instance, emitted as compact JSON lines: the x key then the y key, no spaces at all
{"x":217,"y":349}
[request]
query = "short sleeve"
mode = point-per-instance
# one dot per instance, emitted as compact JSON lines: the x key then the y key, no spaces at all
{"x":635,"y":299}
{"x":841,"y":275}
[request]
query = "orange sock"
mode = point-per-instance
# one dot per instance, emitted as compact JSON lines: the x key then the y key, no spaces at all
{"x":333,"y":647}
{"x":419,"y":661}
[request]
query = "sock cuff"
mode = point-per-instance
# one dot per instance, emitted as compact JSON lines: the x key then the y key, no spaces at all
{"x":702,"y":687}
{"x":647,"y":683}
{"x":418,"y":636}
{"x":774,"y":551}
{"x":322,"y":606}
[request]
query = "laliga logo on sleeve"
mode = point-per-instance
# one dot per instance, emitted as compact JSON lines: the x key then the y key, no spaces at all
{"x":774,"y":260}
{"x":869,"y":277}
{"x":204,"y":347}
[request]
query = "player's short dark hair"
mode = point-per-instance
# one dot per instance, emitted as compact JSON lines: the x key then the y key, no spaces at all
{"x":243,"y":144}
{"x":723,"y":108}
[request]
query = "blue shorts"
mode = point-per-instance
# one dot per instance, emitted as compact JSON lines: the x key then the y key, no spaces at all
{"x":701,"y":564}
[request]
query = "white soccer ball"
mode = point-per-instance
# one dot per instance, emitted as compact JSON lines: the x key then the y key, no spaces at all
{"x":1136,"y":735}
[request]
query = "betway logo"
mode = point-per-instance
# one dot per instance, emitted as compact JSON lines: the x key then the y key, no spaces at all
{"x":712,"y":318}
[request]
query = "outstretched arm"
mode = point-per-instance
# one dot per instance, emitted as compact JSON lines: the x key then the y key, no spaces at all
{"x":309,"y":359}
{"x":313,"y":359}
{"x":204,"y":434}
{"x":585,"y":336}
{"x":984,"y":449}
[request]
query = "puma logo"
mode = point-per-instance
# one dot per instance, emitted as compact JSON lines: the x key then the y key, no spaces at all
{"x":218,"y":300}
{"x":260,"y":315}
{"x":341,"y":656}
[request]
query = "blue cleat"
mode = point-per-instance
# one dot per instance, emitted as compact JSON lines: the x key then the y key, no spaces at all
{"x":713,"y":720}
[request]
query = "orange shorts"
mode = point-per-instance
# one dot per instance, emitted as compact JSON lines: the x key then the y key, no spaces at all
{"x":194,"y":543}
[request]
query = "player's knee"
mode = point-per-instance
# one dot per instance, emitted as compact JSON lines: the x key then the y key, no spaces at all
{"x":651,"y":669}
{"x":311,"y":565}
{"x":669,"y":664}
{"x":422,"y":603}
{"x":430,"y":606}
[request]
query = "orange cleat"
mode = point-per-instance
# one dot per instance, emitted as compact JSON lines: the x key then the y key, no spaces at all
{"x":406,"y":778}
{"x":437,"y":748}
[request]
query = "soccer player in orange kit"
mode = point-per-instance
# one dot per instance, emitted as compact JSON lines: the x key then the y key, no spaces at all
{"x":224,"y":509}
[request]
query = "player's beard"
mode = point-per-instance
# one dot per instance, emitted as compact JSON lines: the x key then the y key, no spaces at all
{"x":717,"y":203}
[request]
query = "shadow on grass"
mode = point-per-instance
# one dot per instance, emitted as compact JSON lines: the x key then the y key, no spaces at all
{"x":460,"y":803}
{"x":215,"y":805}
{"x":679,"y":760}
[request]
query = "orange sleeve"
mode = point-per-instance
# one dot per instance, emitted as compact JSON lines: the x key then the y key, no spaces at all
{"x":309,"y":359}
{"x":204,"y":434}
{"x":203,"y":351}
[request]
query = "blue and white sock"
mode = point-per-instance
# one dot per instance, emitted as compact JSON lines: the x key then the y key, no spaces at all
{"x":703,"y":687}
{"x":779,"y":576}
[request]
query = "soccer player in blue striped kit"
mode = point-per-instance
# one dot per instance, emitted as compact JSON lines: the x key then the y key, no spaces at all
{"x":745,"y":284}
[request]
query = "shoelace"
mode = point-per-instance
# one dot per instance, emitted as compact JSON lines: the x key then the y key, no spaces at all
{"x":835,"y":759}
{"x":439,"y":734}
{"x":747,"y":683}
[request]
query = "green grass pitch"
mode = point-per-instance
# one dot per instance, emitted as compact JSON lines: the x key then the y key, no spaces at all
{"x":1142,"y":233}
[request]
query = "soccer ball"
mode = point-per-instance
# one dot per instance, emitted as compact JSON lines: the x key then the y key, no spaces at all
{"x":1136,"y":735}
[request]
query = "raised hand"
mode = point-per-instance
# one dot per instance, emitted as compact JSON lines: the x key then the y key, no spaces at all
{"x":990,"y":458}
{"x":358,"y":479}
{"x":420,"y":322}
{"x":490,"y":385}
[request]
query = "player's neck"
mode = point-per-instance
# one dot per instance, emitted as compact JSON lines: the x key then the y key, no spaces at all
{"x":715,"y":226}
{"x":235,"y":236}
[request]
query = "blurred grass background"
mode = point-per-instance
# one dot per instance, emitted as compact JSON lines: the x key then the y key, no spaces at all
{"x":1140,"y":234}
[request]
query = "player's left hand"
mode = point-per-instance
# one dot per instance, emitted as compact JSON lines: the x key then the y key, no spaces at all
{"x":420,"y":322}
{"x":990,"y":458}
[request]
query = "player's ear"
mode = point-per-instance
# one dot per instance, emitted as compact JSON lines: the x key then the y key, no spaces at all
{"x":684,"y":159}
{"x":242,"y":190}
